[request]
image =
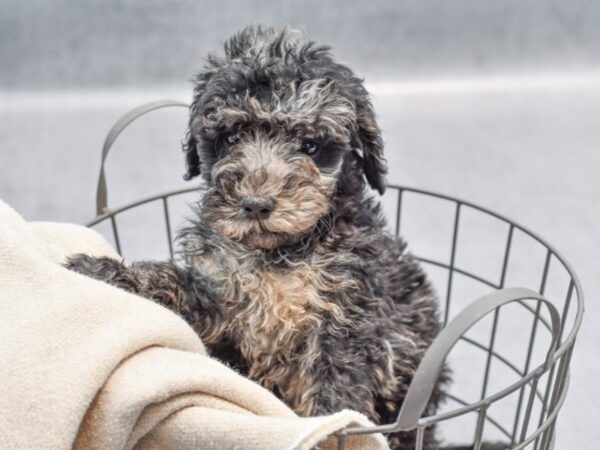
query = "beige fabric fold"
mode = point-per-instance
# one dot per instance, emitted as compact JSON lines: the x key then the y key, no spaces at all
{"x":87,"y":366}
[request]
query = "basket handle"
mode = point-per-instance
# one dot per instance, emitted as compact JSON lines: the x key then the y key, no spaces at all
{"x":123,"y":122}
{"x":431,"y":365}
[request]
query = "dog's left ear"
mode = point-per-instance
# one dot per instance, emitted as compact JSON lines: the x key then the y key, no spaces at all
{"x":368,"y":139}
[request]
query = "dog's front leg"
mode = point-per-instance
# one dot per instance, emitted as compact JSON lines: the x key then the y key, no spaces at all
{"x":352,"y":371}
{"x":344,"y":381}
{"x":182,"y":290}
{"x":337,"y":376}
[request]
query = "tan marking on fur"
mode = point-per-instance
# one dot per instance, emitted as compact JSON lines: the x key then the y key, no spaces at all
{"x":285,"y":306}
{"x":272,"y":312}
{"x":301,"y":192}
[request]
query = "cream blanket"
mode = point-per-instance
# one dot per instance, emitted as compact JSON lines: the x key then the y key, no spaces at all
{"x":87,"y":366}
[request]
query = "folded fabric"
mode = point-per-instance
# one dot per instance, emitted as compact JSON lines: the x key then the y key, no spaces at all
{"x":87,"y":366}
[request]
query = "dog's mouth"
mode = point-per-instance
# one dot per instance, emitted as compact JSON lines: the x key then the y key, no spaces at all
{"x":268,"y":240}
{"x":258,"y":233}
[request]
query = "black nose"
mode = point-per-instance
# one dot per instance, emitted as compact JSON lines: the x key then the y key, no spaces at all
{"x":258,"y":207}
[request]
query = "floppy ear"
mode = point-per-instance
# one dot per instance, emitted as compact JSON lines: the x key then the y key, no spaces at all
{"x":190,"y":149}
{"x":370,"y":142}
{"x":190,"y":144}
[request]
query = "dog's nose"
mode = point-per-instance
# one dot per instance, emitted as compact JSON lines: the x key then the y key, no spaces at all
{"x":258,"y":207}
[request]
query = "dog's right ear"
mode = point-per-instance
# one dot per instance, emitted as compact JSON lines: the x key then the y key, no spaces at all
{"x":190,"y":149}
{"x":190,"y":143}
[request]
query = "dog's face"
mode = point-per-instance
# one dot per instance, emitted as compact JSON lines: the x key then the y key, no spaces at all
{"x":278,"y":130}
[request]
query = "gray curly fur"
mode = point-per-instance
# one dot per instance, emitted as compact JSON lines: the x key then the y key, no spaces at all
{"x":318,"y":303}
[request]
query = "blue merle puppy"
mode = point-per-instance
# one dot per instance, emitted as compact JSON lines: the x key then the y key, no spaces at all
{"x":289,"y":274}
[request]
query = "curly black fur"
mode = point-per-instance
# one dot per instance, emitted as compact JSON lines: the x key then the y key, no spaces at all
{"x":318,"y":303}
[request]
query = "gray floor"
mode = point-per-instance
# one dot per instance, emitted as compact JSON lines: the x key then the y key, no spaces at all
{"x":527,"y":152}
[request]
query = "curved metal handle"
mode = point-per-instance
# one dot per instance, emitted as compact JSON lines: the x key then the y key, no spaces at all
{"x":431,"y":365}
{"x":113,"y":134}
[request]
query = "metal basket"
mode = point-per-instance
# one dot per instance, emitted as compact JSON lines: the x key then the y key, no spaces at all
{"x":552,"y":317}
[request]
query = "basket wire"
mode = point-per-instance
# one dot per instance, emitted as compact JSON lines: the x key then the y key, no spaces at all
{"x":524,"y":430}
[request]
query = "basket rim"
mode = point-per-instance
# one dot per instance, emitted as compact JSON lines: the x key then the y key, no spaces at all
{"x":567,"y":342}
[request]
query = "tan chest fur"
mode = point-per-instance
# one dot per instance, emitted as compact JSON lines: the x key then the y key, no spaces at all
{"x":278,"y":309}
{"x":273,"y":314}
{"x":283,"y":310}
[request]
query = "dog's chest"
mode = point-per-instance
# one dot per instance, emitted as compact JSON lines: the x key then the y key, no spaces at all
{"x":271,"y":309}
{"x":276,"y":301}
{"x":274,"y":313}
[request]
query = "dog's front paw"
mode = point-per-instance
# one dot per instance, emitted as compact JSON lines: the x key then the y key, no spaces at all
{"x":104,"y":269}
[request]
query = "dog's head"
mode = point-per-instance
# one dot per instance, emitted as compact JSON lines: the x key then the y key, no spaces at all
{"x":278,"y":130}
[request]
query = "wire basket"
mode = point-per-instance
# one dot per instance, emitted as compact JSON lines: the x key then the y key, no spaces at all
{"x":511,"y":306}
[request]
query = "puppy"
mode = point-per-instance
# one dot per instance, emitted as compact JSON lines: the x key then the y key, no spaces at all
{"x":289,"y":274}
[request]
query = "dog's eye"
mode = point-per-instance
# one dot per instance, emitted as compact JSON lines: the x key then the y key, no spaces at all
{"x":310,"y":148}
{"x":232,"y":138}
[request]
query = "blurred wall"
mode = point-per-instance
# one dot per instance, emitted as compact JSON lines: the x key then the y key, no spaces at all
{"x":68,"y":43}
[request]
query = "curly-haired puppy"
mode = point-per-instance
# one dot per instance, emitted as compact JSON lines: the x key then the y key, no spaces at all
{"x":289,"y":274}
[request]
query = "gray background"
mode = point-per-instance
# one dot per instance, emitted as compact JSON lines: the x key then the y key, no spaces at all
{"x":497,"y":102}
